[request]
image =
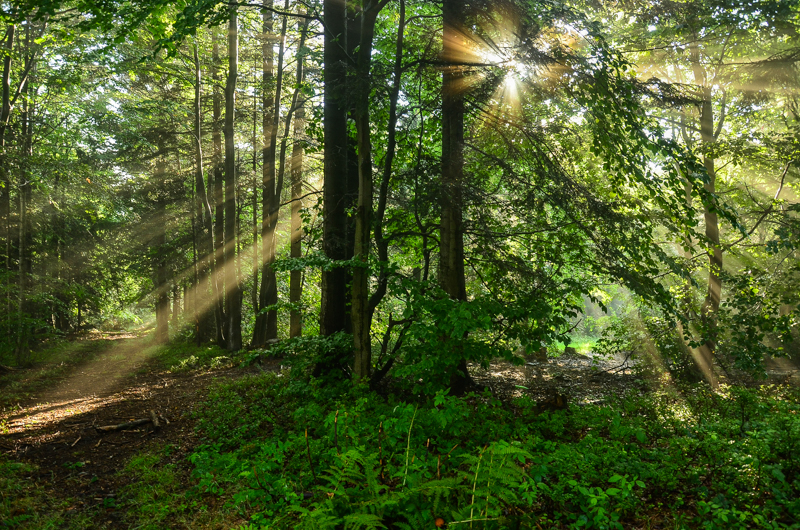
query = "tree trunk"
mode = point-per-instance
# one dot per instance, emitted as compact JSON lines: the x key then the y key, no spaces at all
{"x":711,"y":304}
{"x":381,"y":242}
{"x":296,"y":230}
{"x":5,"y":182}
{"x":361,"y":316}
{"x":233,"y":298}
{"x":451,"y":252}
{"x":335,"y":296}
{"x":267,"y":322}
{"x":25,"y":197}
{"x":160,"y":254}
{"x":203,"y":307}
{"x":218,"y":274}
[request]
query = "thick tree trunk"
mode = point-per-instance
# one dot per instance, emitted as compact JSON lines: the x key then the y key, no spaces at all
{"x":218,"y":273}
{"x":233,"y":294}
{"x":334,"y":308}
{"x":296,"y":229}
{"x":451,"y":252}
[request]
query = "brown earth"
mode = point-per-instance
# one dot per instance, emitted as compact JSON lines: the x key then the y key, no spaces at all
{"x":56,"y":430}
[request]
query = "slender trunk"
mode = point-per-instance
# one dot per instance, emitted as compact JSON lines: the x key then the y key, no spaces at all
{"x":361,"y":317}
{"x":203,"y":310}
{"x":267,"y":322}
{"x":296,"y":234}
{"x":711,"y":303}
{"x":176,"y":306}
{"x":254,"y":268}
{"x":268,"y":100}
{"x":5,"y":182}
{"x":451,"y":252}
{"x":233,"y":299}
{"x":218,"y":275}
{"x":25,"y":197}
{"x":160,"y":254}
{"x":381,"y":242}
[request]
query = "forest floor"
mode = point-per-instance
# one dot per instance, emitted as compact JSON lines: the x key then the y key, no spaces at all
{"x":117,"y":379}
{"x":50,"y":415}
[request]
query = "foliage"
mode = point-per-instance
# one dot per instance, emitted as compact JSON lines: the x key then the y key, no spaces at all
{"x":292,"y":456}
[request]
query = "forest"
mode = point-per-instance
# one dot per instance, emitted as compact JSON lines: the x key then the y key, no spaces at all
{"x":400,"y":264}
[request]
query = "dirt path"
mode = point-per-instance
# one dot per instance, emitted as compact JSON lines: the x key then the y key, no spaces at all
{"x":56,"y":429}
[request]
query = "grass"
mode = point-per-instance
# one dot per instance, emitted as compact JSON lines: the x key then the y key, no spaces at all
{"x":584,"y":345}
{"x":25,"y":503}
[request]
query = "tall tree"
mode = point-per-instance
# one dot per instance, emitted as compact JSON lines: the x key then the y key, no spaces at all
{"x":451,"y":232}
{"x":204,"y":316}
{"x":233,"y":291}
{"x":218,"y":281}
{"x":334,"y":309}
{"x":296,"y":224}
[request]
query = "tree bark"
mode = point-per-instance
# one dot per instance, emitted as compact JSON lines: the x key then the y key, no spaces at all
{"x":451,"y":252}
{"x":233,"y":294}
{"x":381,"y":242}
{"x":334,"y":308}
{"x":361,"y":316}
{"x":296,"y":230}
{"x":5,"y":181}
{"x":218,"y":274}
{"x":159,"y":252}
{"x":203,"y":309}
{"x":710,"y":307}
{"x":267,"y":322}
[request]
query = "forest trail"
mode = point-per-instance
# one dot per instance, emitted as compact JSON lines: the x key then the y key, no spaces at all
{"x":123,"y":381}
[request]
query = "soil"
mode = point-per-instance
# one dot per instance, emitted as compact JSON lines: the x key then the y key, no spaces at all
{"x":56,"y":430}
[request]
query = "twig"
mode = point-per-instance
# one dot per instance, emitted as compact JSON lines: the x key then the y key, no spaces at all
{"x":336,"y":432}
{"x":408,"y":444}
{"x":474,"y":484}
{"x":76,"y":441}
{"x":615,"y":369}
{"x":308,"y":452}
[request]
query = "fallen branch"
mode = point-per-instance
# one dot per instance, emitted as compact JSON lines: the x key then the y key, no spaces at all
{"x":123,"y":426}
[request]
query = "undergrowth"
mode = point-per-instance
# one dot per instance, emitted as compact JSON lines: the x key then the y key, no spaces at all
{"x":287,"y":454}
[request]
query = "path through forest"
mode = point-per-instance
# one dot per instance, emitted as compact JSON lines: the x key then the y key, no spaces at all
{"x":56,"y":429}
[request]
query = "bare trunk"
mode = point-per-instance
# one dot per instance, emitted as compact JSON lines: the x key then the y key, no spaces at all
{"x":296,"y":230}
{"x":233,"y":298}
{"x":361,"y":315}
{"x":203,"y":309}
{"x":25,"y":197}
{"x":267,"y":322}
{"x":711,"y":304}
{"x":159,"y":251}
{"x":5,"y":182}
{"x":451,"y":252}
{"x":218,"y":279}
{"x":335,"y":295}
